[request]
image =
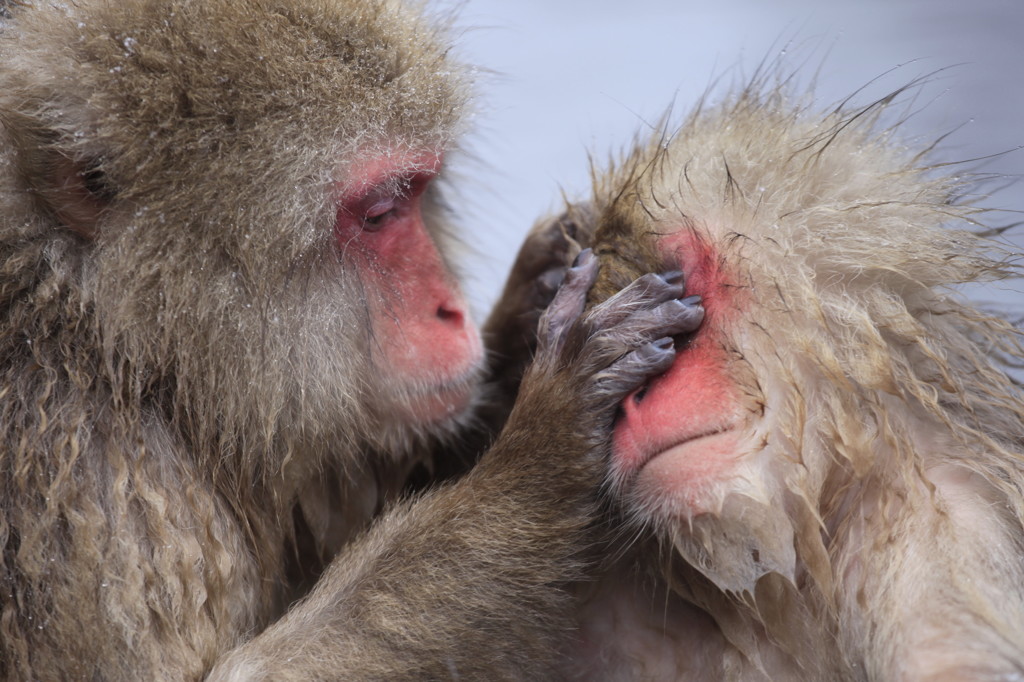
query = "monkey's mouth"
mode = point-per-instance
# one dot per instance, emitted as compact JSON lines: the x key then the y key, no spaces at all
{"x":443,"y":400}
{"x":696,"y":447}
{"x":677,"y":459}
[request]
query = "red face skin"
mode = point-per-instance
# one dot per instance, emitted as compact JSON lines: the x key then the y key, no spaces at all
{"x":424,"y":343}
{"x":679,"y":436}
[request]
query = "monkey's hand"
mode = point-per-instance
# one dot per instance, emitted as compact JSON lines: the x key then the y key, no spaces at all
{"x":587,"y":363}
{"x":510,"y":333}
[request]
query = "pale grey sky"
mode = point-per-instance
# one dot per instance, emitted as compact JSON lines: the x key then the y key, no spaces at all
{"x":572,"y":78}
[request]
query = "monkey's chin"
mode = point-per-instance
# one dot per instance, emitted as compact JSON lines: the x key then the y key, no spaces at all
{"x":441,"y":403}
{"x":682,"y":480}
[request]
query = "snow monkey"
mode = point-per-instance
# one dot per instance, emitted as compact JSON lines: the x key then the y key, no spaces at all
{"x":228,"y":329}
{"x":832,"y":471}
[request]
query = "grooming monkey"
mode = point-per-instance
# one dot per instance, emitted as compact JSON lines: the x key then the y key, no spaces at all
{"x":229,"y":330}
{"x":832,"y":472}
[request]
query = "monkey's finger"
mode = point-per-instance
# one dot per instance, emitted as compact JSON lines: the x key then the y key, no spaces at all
{"x":569,"y":300}
{"x":670,"y":318}
{"x":633,"y":370}
{"x":646,"y":291}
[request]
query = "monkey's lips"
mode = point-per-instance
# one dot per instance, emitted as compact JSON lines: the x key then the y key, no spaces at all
{"x":444,"y":400}
{"x":703,"y":452}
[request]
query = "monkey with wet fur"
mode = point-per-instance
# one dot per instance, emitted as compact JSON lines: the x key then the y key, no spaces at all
{"x":831,"y":476}
{"x":227,"y":330}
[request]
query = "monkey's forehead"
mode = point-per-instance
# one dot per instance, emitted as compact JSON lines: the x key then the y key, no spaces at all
{"x":764,"y":168}
{"x":342,"y":72}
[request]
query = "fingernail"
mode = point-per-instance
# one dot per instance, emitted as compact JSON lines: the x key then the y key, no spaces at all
{"x":664,"y":344}
{"x":690,"y":301}
{"x":672,"y":276}
{"x":584,"y":257}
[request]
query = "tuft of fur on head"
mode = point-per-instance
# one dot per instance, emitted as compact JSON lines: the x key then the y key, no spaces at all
{"x":859,"y":366}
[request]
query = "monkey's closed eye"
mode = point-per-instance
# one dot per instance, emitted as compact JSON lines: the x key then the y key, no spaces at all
{"x":380,"y":214}
{"x":392,"y":201}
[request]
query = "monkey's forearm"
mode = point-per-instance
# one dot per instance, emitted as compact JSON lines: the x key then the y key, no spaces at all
{"x":475,"y":566}
{"x":480,"y":565}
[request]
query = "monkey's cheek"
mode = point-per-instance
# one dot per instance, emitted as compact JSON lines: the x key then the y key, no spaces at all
{"x":433,"y":377}
{"x":431,"y":352}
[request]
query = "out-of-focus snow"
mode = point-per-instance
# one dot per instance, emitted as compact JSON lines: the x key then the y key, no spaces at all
{"x":577,"y":78}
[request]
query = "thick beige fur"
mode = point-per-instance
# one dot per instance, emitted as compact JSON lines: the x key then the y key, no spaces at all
{"x":872,"y":526}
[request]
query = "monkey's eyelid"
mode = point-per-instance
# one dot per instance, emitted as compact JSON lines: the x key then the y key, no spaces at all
{"x":379,"y":208}
{"x":379,"y":217}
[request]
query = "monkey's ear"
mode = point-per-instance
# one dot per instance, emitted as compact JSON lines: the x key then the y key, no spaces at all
{"x":77,"y":194}
{"x":68,"y":186}
{"x":74,"y":191}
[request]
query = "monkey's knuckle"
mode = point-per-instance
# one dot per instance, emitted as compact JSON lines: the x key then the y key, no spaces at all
{"x":549,"y":281}
{"x":674,"y":317}
{"x":649,"y":287}
{"x":573,"y":292}
{"x":648,"y":282}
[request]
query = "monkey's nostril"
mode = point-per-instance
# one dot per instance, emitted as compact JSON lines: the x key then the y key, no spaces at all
{"x":453,"y":317}
{"x":683,"y":341}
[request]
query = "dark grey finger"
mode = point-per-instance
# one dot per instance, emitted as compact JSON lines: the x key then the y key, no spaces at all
{"x":635,"y":368}
{"x":670,"y":318}
{"x":644,"y":292}
{"x":569,"y":300}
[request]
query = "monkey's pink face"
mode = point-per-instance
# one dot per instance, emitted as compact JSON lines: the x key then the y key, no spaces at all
{"x":424,"y":345}
{"x":680,"y":438}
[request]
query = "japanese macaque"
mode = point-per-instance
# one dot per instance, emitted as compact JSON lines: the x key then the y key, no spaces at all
{"x":228,"y":331}
{"x":830,"y":477}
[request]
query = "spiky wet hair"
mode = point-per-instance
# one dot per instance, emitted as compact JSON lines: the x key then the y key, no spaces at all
{"x":842,"y":247}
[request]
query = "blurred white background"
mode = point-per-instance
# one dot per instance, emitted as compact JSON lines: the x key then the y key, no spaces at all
{"x":564,"y":79}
